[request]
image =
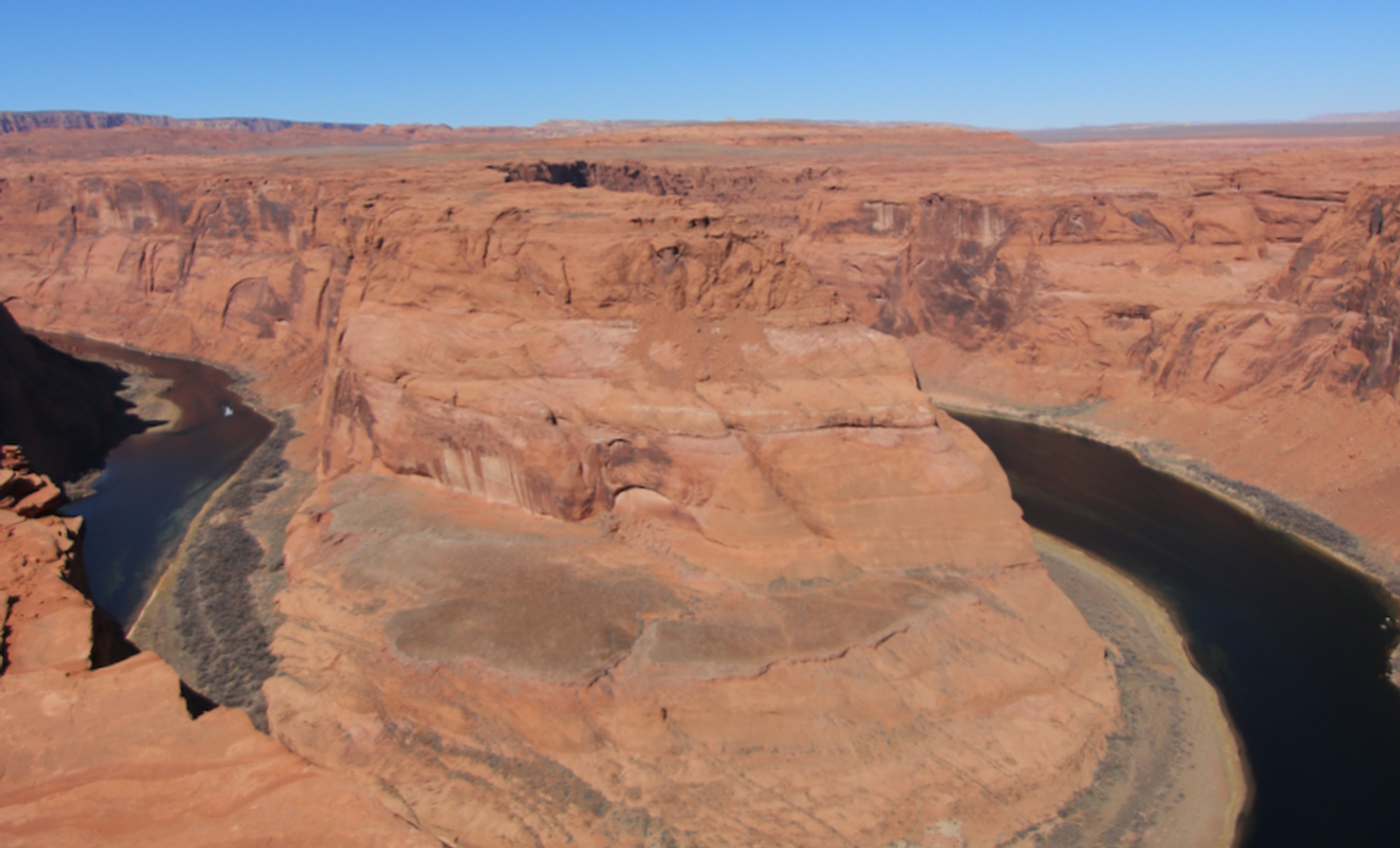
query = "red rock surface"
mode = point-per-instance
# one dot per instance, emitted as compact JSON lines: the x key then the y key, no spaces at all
{"x":111,"y":756}
{"x":633,"y":521}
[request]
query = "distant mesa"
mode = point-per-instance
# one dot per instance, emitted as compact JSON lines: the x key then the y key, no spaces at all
{"x":12,"y":122}
{"x":72,"y":119}
{"x":1341,"y":125}
{"x":1357,"y":118}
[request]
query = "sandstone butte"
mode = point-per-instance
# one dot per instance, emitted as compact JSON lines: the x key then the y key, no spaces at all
{"x":631,"y":519}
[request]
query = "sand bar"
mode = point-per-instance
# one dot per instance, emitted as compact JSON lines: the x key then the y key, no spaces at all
{"x":1173,"y":776}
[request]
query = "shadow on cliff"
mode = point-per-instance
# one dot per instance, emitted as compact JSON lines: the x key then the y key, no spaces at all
{"x":64,"y":411}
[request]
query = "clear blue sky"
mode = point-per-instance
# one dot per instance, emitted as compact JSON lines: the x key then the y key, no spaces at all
{"x":1014,"y":65}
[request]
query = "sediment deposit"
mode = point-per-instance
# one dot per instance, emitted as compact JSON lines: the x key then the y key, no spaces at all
{"x":634,"y":522}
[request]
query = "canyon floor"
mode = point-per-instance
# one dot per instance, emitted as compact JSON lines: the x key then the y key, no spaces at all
{"x":622,"y":512}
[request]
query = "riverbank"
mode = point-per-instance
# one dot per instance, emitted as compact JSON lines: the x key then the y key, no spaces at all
{"x":1299,"y":523}
{"x":1295,"y":642}
{"x":147,"y":395}
{"x":1305,"y":526}
{"x":212,"y":612}
{"x":1173,"y":775}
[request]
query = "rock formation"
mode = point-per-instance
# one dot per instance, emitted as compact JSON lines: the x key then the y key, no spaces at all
{"x":736,"y":614}
{"x":634,"y":523}
{"x":110,"y":755}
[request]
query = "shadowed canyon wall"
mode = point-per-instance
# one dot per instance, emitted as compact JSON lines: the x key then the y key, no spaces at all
{"x":66,"y":413}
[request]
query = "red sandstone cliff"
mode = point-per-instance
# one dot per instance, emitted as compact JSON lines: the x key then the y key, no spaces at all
{"x":758,"y":589}
{"x":733,"y":613}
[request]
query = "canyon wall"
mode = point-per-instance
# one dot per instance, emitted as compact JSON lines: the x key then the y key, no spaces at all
{"x":640,"y":419}
{"x":634,"y":521}
{"x":67,"y":413}
{"x":1205,"y":331}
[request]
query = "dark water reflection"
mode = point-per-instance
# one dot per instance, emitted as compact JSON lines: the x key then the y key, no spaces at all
{"x":154,"y":483}
{"x":1297,"y":644}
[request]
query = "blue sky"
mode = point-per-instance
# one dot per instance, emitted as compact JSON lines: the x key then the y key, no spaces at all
{"x":1013,"y":65}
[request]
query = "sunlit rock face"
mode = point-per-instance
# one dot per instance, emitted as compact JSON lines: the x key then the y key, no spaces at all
{"x":678,"y":553}
{"x":633,"y":521}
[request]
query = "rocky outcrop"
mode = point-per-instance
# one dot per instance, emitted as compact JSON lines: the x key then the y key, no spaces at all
{"x":23,"y":492}
{"x":1347,"y":272}
{"x":111,"y":755}
{"x":651,"y":568}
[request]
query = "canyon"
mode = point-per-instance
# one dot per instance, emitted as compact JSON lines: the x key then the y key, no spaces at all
{"x":626,"y":508}
{"x":99,"y":746}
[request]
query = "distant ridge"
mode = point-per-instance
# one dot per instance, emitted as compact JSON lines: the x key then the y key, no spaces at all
{"x":21,"y":122}
{"x":1357,"y":118}
{"x":13,"y":122}
{"x":74,"y":119}
{"x":1353,"y":125}
{"x":1359,"y":124}
{"x":570,"y":126}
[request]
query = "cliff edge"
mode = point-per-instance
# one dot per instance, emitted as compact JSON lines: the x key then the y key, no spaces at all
{"x":111,"y":755}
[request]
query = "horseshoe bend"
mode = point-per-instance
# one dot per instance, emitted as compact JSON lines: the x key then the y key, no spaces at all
{"x":612,"y":498}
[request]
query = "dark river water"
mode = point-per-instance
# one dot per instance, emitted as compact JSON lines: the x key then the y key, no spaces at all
{"x":1297,"y":643}
{"x":154,"y":483}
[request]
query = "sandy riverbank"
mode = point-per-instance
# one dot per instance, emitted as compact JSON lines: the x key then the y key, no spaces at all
{"x":148,"y":393}
{"x":1303,"y":525}
{"x":1173,"y":776}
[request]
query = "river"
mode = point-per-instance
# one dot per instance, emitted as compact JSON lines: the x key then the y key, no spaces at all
{"x":154,"y":483}
{"x":1297,"y":643}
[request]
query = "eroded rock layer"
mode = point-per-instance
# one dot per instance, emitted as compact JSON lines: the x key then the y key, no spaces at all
{"x":634,"y":523}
